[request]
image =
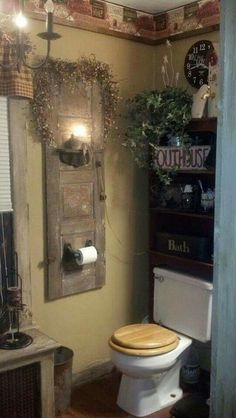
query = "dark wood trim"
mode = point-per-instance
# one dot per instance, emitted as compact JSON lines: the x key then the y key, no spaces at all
{"x":203,"y":125}
{"x":188,"y":34}
{"x":182,"y":263}
{"x":189,"y":172}
{"x":176,"y":212}
{"x":156,"y":254}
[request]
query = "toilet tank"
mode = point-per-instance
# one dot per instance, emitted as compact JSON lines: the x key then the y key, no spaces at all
{"x":183,"y":303}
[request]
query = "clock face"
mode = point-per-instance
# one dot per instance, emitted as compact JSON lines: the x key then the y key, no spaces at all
{"x":196,"y":63}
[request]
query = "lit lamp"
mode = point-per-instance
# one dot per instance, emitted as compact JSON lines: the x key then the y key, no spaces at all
{"x":80,"y":131}
{"x":76,"y":150}
{"x":78,"y":138}
{"x":21,"y":22}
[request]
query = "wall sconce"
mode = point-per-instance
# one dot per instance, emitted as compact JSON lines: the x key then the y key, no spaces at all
{"x":78,"y":138}
{"x":80,"y":131}
{"x":20,"y":50}
{"x":76,"y":150}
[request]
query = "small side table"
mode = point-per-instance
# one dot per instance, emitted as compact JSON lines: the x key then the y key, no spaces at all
{"x":41,"y":354}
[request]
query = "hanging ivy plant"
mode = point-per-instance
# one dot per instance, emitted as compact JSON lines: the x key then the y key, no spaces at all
{"x":154,"y":118}
{"x":56,"y":72}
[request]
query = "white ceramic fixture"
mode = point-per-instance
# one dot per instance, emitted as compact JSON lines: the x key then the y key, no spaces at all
{"x":149,"y":383}
{"x":183,"y":303}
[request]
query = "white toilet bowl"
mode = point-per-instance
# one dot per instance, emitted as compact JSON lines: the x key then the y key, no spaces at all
{"x":150,"y":356}
{"x":149,"y":384}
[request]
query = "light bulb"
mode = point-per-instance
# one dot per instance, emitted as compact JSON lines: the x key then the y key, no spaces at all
{"x":20,"y":20}
{"x":80,"y":130}
{"x":49,"y":6}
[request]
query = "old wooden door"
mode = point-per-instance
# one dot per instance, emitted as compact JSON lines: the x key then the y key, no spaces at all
{"x":75,"y":194}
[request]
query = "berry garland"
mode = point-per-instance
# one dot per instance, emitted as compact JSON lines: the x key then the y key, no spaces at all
{"x":55,"y":72}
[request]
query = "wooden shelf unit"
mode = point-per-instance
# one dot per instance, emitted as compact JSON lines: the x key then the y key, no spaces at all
{"x":177,"y":221}
{"x":203,"y":125}
{"x":197,"y":172}
{"x":175,"y":212}
{"x":204,"y":269}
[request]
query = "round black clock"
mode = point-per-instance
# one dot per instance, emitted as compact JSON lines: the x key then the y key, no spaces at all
{"x":196,"y":63}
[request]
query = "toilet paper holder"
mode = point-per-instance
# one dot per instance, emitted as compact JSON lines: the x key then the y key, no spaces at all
{"x":70,"y":253}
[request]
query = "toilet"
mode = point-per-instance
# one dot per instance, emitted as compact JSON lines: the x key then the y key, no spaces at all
{"x":150,"y":356}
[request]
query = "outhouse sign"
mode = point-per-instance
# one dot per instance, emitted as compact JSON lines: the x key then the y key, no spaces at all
{"x":192,"y":158}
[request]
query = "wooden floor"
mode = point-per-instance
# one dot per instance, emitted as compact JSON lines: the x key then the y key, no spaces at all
{"x":98,"y":400}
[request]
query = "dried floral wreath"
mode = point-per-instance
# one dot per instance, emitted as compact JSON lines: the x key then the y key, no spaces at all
{"x":48,"y":78}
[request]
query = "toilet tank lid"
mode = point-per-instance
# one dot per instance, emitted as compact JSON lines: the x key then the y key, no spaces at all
{"x":182,"y":277}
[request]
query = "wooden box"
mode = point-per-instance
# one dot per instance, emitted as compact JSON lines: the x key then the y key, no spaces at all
{"x":199,"y":248}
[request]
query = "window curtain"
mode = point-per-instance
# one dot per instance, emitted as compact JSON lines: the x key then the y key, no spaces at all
{"x":5,"y":177}
{"x":13,"y":82}
{"x":6,"y":215}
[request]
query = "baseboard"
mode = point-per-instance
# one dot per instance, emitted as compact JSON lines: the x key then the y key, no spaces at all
{"x":92,"y":373}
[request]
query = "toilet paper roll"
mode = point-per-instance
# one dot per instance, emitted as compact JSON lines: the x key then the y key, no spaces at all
{"x":86,"y":255}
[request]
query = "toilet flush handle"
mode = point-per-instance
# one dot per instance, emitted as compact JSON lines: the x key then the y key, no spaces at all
{"x":160,"y":278}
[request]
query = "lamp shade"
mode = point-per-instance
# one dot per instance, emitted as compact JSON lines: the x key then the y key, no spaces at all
{"x":5,"y":176}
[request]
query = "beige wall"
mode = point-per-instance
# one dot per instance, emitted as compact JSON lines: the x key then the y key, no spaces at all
{"x":85,"y":321}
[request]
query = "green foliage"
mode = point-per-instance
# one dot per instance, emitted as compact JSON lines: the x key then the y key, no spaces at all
{"x":153,"y":119}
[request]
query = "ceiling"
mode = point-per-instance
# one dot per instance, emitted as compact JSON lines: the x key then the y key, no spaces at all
{"x":153,"y":6}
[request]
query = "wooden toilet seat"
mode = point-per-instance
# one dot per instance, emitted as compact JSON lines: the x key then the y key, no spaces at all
{"x":143,"y":340}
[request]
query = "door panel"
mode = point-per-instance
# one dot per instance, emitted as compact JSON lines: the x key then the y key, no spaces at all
{"x":75,"y":196}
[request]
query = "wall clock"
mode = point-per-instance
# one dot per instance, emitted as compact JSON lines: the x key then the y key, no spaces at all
{"x":196,"y":63}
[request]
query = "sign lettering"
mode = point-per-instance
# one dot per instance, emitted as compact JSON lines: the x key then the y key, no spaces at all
{"x":192,"y":158}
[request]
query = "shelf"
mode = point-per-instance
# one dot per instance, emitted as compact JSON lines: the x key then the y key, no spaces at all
{"x":74,"y":157}
{"x":208,"y":172}
{"x":69,"y":150}
{"x":203,"y":125}
{"x":177,"y":221}
{"x":176,"y":212}
{"x":189,"y":265}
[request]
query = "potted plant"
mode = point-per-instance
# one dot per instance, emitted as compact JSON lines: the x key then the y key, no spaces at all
{"x":158,"y":119}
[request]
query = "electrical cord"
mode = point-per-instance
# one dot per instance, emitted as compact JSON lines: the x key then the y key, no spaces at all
{"x":101,"y":188}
